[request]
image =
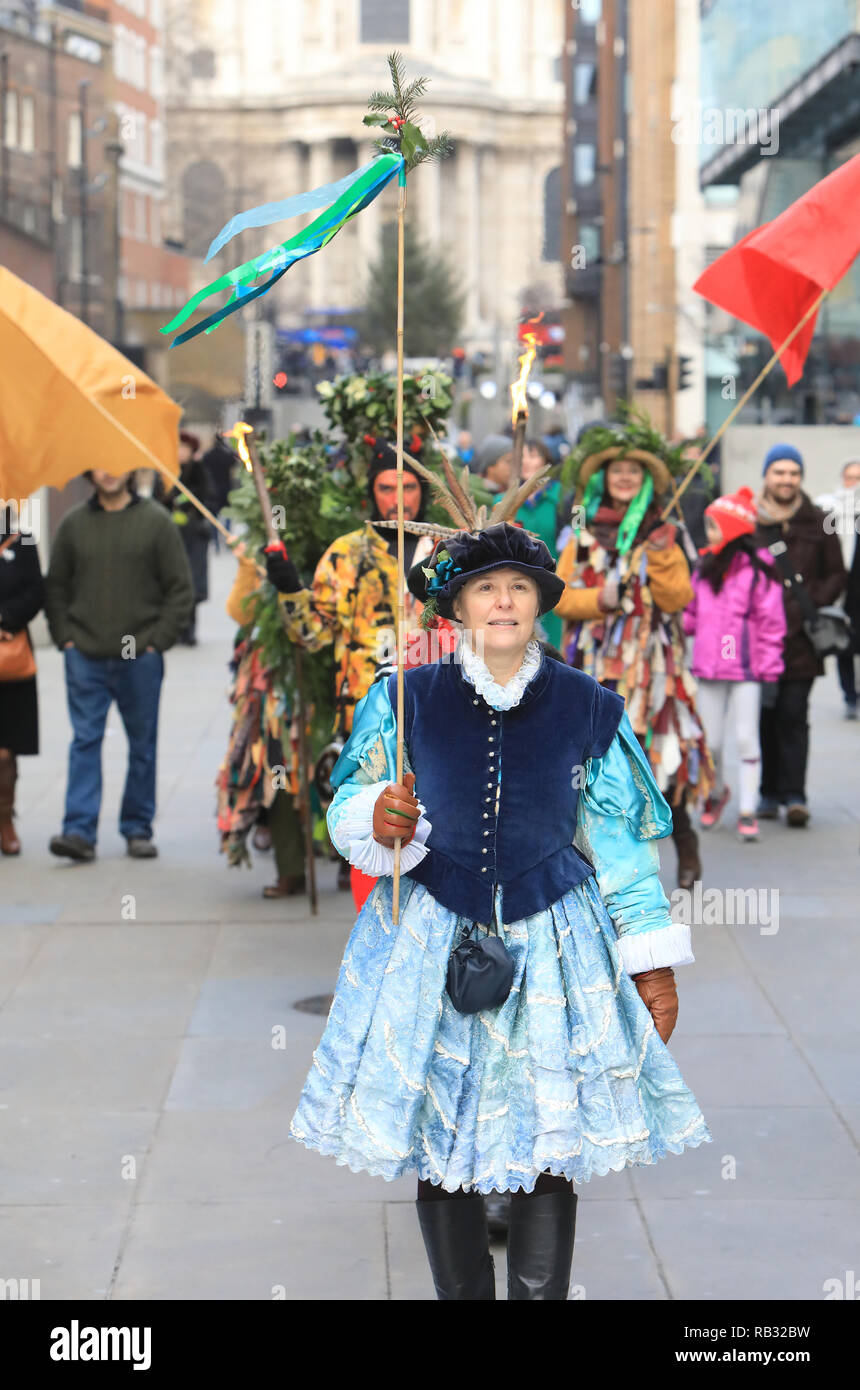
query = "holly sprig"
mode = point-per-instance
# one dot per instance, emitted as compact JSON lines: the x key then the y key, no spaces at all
{"x":396,"y":112}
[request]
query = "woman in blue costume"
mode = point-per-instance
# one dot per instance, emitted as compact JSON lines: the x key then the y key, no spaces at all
{"x":537,"y":819}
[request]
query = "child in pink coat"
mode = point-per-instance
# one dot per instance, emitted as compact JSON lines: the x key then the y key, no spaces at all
{"x":737,"y":618}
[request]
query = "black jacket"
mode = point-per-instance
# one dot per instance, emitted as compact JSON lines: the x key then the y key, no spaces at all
{"x":815,"y":555}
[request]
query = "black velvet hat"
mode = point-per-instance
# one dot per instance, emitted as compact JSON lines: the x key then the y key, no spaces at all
{"x":466,"y":554}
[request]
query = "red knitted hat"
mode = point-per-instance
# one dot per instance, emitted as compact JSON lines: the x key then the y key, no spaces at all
{"x":735,"y":514}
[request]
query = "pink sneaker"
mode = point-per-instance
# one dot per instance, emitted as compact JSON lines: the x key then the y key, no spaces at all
{"x":747,"y":829}
{"x":713,"y":809}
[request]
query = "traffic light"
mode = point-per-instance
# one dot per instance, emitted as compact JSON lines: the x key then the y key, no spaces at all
{"x":685,"y":373}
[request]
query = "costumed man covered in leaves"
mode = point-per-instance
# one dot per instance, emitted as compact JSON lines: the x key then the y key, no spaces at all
{"x":352,"y":602}
{"x":626,"y":583}
{"x":530,"y":854}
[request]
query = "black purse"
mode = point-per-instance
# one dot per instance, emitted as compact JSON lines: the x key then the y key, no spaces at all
{"x":480,"y":973}
{"x":828,"y":629}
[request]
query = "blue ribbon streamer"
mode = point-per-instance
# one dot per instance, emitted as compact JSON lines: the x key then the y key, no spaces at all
{"x":267,"y":213}
{"x":279,"y":260}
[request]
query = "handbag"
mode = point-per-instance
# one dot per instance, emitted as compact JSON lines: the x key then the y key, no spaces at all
{"x":828,"y":629}
{"x":17,"y":662}
{"x":480,"y":973}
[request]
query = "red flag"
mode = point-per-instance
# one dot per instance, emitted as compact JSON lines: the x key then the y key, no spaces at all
{"x":773,"y":276}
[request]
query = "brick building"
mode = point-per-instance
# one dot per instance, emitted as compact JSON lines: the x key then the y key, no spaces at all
{"x":55,"y":185}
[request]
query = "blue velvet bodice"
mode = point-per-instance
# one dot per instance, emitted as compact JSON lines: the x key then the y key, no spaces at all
{"x":501,"y":786}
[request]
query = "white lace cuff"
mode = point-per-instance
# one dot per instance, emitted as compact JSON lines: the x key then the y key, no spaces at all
{"x":649,"y":950}
{"x":355,"y":831}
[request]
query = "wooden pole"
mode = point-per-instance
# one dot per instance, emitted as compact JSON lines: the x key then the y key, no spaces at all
{"x":271,"y":532}
{"x":519,"y":441}
{"x":401,"y":568}
{"x":688,"y":478}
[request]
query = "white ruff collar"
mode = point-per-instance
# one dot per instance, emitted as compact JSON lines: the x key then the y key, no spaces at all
{"x":499,"y":696}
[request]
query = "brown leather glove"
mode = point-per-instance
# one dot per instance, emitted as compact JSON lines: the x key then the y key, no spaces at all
{"x":396,"y":813}
{"x":660,"y":997}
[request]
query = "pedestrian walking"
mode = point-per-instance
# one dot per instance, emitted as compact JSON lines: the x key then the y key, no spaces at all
{"x":842,"y":514}
{"x":509,"y":1033}
{"x":809,"y":556}
{"x":117,"y":596}
{"x":193,"y":527}
{"x":540,"y":514}
{"x":21,"y":598}
{"x":737,"y":621}
{"x":493,"y":462}
{"x":219,"y":463}
{"x":627,"y":582}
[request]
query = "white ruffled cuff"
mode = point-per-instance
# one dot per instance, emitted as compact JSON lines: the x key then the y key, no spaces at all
{"x":649,"y":950}
{"x":356,"y":832}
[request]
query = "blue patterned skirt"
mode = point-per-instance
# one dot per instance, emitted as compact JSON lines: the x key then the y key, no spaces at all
{"x":568,"y":1076}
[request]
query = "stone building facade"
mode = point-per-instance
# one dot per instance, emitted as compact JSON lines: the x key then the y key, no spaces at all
{"x":267,"y":100}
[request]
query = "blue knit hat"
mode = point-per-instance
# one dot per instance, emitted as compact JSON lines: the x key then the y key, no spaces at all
{"x":782,"y":451}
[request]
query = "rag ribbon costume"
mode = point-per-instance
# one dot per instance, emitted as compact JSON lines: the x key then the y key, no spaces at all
{"x":639,"y":648}
{"x":539,"y":814}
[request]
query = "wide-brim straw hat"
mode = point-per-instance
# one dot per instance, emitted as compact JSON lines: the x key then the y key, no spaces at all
{"x":655,"y":466}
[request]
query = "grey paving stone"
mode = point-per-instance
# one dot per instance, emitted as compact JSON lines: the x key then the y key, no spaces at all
{"x":219,"y":1155}
{"x":123,"y":1074}
{"x":252,"y":1008}
{"x":759,"y":1249}
{"x":73,"y":1256}
{"x":772,"y":1152}
{"x":234,"y":1074}
{"x":72,"y":1157}
{"x":131,"y":980}
{"x":834,"y":1058}
{"x":771,"y":1073}
{"x":254,"y":1250}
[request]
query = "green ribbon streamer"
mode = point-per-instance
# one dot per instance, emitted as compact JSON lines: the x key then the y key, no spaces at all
{"x":280,"y":257}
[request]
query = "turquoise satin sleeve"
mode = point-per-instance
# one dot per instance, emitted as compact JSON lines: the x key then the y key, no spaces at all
{"x":621,"y":812}
{"x":369,"y":755}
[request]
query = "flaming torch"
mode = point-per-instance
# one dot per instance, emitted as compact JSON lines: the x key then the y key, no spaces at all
{"x":519,"y":400}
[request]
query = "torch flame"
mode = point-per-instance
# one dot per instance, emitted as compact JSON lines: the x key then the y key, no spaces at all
{"x":519,"y":400}
{"x":238,"y":432}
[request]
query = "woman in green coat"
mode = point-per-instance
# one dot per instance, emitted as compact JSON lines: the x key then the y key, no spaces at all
{"x":539,"y":513}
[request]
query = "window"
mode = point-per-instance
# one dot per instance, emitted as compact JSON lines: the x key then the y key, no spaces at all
{"x":203,"y":63}
{"x":583,"y":164}
{"x":10,"y":125}
{"x":75,"y":249}
{"x":156,"y":72}
{"x":140,"y":226}
{"x":203,"y":205}
{"x":384,"y":21}
{"x":156,"y":147}
{"x":589,"y":240}
{"x":590,"y":11}
{"x":28,"y":124}
{"x":155,"y":222}
{"x":552,"y":216}
{"x":73,"y":140}
{"x":584,"y":85}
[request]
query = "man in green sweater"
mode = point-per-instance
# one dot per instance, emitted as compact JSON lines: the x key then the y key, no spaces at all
{"x":117,"y":595}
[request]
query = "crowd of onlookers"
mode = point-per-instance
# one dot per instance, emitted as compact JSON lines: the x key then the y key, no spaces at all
{"x":128,"y":571}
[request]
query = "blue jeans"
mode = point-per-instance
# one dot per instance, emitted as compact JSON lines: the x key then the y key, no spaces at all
{"x":92,"y":683}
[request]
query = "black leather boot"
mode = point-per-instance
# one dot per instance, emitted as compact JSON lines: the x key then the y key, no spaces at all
{"x":540,"y":1246}
{"x":455,"y":1238}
